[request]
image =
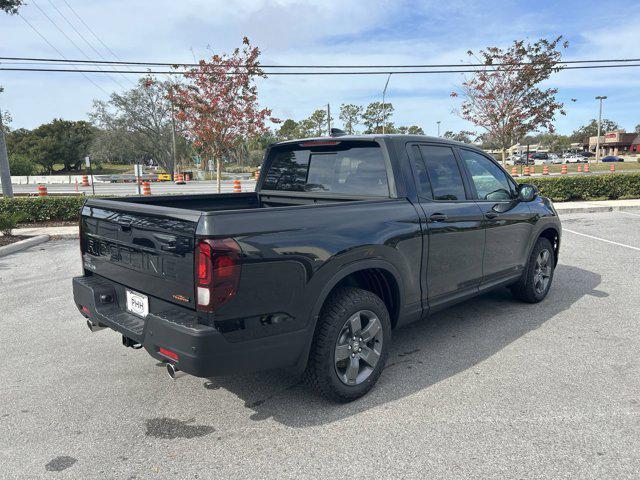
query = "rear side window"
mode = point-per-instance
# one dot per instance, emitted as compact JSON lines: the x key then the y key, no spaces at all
{"x":350,"y":168}
{"x":443,"y":171}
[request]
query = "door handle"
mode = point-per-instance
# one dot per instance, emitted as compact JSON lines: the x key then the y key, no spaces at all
{"x":437,"y":217}
{"x":491,"y":215}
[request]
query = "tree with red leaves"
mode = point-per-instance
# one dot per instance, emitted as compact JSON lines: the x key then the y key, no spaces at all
{"x":504,"y":97}
{"x":218,"y":105}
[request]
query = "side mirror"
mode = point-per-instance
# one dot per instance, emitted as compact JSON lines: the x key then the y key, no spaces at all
{"x":527,"y":192}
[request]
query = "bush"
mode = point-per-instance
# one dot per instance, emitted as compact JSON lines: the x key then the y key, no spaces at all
{"x":8,"y":222}
{"x":42,"y":209}
{"x":21,"y":165}
{"x":606,"y":186}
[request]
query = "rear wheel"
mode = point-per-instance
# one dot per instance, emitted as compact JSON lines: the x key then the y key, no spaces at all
{"x":350,"y":345}
{"x":536,"y":279}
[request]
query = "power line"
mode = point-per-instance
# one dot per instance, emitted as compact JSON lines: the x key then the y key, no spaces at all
{"x":433,"y":65}
{"x":71,"y":40}
{"x":84,"y":39}
{"x":59,"y":52}
{"x":309,"y":73}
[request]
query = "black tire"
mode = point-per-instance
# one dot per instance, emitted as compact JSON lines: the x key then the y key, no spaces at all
{"x":323,"y":371}
{"x":529,"y":287}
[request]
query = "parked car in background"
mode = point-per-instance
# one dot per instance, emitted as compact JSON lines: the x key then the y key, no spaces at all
{"x":587,"y":154}
{"x":554,"y":158}
{"x":575,"y":159}
{"x":344,"y":239}
{"x":612,"y":158}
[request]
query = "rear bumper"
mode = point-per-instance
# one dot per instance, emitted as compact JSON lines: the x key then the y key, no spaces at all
{"x":201,"y":350}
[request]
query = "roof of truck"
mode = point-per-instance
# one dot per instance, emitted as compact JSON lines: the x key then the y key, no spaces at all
{"x":390,"y":136}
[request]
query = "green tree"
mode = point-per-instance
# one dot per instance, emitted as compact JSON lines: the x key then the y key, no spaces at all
{"x":288,"y":130}
{"x":21,"y":165}
{"x":376,"y":115}
{"x":117,"y":147}
{"x":583,"y":133}
{"x":463,"y":136}
{"x":10,"y":6}
{"x":637,"y":129}
{"x":318,"y":122}
{"x":142,"y":119}
{"x":411,"y":130}
{"x":58,"y":142}
{"x":351,"y":116}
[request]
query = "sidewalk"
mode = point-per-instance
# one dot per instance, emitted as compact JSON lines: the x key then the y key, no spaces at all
{"x":596,"y":206}
{"x":53,"y":232}
{"x":561,"y":207}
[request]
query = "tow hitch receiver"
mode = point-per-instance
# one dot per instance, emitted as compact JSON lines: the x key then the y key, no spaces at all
{"x":127,"y":342}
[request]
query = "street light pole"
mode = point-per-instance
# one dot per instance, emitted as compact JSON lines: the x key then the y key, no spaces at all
{"x":601,"y":98}
{"x":5,"y":174}
{"x":384,"y":106}
{"x":438,"y":122}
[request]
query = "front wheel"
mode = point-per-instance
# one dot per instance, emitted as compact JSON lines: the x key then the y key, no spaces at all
{"x":536,"y":279}
{"x":350,"y":345}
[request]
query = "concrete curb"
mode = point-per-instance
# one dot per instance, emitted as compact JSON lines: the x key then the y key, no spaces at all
{"x":595,"y":209}
{"x":23,"y":245}
{"x":65,"y":236}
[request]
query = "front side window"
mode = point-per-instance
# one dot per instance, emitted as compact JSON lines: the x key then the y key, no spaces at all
{"x":348,"y":168}
{"x":489,"y":179}
{"x":443,"y":171}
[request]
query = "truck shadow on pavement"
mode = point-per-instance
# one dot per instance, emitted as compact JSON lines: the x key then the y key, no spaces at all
{"x":423,"y":354}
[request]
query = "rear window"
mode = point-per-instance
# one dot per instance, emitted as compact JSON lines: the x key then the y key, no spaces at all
{"x":350,"y":168}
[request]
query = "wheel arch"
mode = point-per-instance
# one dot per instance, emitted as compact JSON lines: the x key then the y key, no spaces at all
{"x":377,"y":276}
{"x":552,"y":234}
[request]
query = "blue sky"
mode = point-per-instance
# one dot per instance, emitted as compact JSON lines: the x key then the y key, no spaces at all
{"x":332,"y":32}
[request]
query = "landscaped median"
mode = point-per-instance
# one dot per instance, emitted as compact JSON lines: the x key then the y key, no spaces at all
{"x":587,"y":186}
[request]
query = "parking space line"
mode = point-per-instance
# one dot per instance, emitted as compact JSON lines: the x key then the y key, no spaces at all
{"x":601,"y":239}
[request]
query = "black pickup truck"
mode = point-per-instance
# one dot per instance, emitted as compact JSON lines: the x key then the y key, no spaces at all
{"x":345,"y":239}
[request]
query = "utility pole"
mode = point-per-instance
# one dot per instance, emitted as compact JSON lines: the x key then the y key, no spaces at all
{"x":438,"y":122}
{"x":328,"y":120}
{"x":173,"y":131}
{"x":384,"y":105}
{"x":5,"y":174}
{"x":601,"y":98}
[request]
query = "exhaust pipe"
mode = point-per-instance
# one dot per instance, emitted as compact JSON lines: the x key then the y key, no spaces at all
{"x":94,"y":327}
{"x":174,"y":372}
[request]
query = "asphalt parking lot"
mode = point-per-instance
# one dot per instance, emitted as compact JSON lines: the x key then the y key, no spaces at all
{"x":491,"y":388}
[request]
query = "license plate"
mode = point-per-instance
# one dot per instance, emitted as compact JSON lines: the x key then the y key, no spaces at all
{"x":137,"y":303}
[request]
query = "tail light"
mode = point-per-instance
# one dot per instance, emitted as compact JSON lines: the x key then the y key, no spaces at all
{"x":217,"y":272}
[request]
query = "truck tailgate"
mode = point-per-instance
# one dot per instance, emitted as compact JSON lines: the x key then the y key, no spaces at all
{"x":147,"y":253}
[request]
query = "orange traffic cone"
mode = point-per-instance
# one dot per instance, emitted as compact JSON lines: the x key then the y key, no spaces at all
{"x":237,"y":188}
{"x":85,"y":181}
{"x":532,"y":170}
{"x":545,"y":170}
{"x":579,"y":168}
{"x":564,"y":169}
{"x":612,"y":168}
{"x":514,"y":172}
{"x":586,"y":168}
{"x":179,"y":179}
{"x":257,"y":174}
{"x":146,"y":188}
{"x":526,"y":171}
{"x":42,"y":191}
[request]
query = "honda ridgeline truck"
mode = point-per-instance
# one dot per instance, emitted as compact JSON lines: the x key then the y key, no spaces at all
{"x":344,"y":239}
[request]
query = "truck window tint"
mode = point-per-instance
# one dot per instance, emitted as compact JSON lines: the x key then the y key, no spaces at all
{"x":343,"y":169}
{"x":444,"y":174}
{"x":490,"y":181}
{"x":422,"y":179}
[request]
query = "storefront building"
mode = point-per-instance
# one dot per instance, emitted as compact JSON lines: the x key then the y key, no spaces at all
{"x":617,"y":142}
